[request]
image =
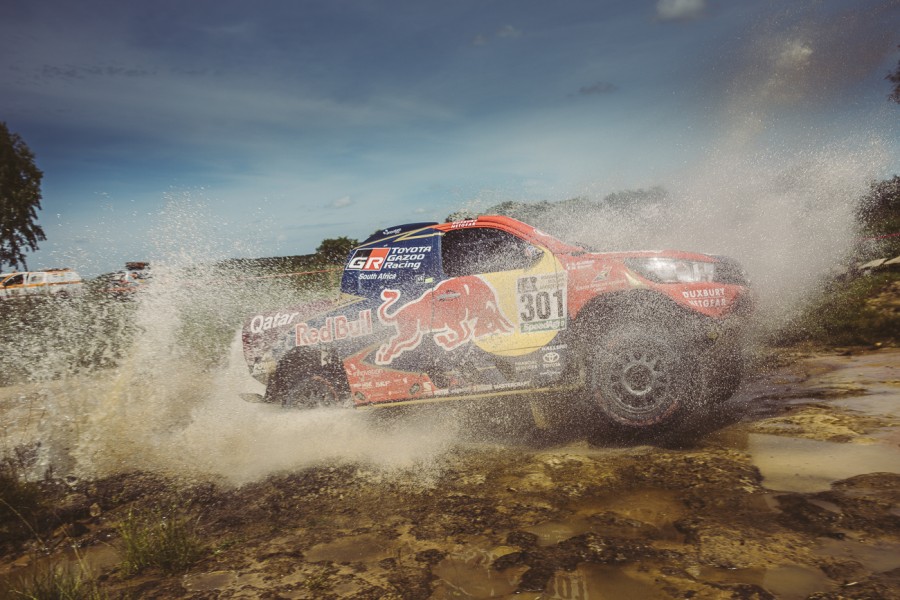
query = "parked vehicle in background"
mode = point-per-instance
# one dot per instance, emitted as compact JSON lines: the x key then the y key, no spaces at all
{"x":130,"y":280}
{"x":59,"y":282}
{"x":491,"y":307}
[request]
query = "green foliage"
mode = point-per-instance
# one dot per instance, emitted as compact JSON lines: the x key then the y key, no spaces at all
{"x":878,"y":214}
{"x":20,"y":199}
{"x":855,"y":312}
{"x":56,"y":582}
{"x":895,"y":79}
{"x":335,"y":250}
{"x":159,"y":539}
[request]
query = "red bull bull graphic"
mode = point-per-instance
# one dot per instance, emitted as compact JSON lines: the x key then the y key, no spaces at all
{"x":454,"y":312}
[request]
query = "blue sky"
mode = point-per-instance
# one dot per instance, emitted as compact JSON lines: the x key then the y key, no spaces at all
{"x":260,"y":129}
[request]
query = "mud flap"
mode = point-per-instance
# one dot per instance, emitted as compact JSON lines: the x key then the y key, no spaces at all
{"x":254,"y":398}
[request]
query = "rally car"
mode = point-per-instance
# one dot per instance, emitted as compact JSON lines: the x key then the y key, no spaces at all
{"x":492,"y":307}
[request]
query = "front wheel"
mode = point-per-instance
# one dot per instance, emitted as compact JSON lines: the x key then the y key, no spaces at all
{"x":637,"y":376}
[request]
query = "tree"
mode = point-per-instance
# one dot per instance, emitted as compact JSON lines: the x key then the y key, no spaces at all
{"x":895,"y":79}
{"x":20,"y":199}
{"x":879,"y":210}
{"x":336,"y":249}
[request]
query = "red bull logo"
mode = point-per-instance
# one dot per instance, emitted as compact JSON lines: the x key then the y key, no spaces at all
{"x":454,"y":312}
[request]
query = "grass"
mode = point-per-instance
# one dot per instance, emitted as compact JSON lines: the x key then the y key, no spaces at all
{"x":56,"y":582}
{"x":20,"y":504}
{"x":159,"y":539}
{"x":19,"y":501}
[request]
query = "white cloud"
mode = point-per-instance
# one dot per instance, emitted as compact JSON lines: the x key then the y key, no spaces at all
{"x":343,"y":202}
{"x":508,"y":31}
{"x":505,"y":32}
{"x":678,"y":10}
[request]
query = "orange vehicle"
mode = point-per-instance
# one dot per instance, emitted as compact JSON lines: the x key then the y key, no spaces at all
{"x":492,"y":307}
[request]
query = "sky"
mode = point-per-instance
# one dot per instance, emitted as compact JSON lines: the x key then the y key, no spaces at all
{"x":234,"y":129}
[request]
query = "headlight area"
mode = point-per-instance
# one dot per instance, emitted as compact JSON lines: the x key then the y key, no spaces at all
{"x":672,"y":270}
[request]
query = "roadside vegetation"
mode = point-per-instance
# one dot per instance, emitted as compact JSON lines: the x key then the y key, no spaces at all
{"x":860,"y":307}
{"x":860,"y":311}
{"x":157,"y":538}
{"x":55,"y":582}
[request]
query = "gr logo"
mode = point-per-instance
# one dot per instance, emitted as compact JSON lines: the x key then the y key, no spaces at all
{"x":370,"y":259}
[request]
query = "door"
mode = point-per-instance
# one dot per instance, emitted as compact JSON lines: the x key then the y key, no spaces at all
{"x":502,"y":298}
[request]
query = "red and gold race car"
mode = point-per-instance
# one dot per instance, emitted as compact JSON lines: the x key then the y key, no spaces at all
{"x":491,"y":307}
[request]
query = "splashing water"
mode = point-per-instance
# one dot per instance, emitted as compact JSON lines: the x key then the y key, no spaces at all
{"x":105,"y":386}
{"x":171,"y":402}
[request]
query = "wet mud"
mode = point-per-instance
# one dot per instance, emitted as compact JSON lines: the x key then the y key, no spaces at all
{"x":789,"y":491}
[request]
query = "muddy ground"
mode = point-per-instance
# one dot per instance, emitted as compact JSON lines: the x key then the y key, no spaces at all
{"x":790,"y":490}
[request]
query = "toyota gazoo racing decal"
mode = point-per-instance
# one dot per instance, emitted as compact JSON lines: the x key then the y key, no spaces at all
{"x":396,"y":257}
{"x":454,"y":312}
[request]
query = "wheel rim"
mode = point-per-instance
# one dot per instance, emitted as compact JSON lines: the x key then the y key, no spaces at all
{"x":640,"y":376}
{"x":639,"y":388}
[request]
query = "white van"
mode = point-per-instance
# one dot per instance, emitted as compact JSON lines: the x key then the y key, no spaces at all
{"x":49,"y":281}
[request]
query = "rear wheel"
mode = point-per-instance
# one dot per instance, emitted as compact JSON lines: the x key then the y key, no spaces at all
{"x":637,"y":376}
{"x":301,"y":380}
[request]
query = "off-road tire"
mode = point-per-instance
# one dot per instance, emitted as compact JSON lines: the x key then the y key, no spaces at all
{"x":638,"y":376}
{"x":302,"y":381}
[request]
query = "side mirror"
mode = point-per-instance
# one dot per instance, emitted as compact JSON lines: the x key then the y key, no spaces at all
{"x":534,"y":255}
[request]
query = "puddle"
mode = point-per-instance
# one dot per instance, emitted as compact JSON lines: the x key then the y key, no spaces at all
{"x":656,"y":508}
{"x":359,"y":548}
{"x":877,"y":556}
{"x":468,"y":575}
{"x":89,"y":560}
{"x":785,"y":582}
{"x":806,"y":466}
{"x":878,"y":405}
{"x":598,"y":582}
{"x":553,"y":532}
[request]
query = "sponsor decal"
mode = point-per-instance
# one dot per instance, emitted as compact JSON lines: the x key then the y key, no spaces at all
{"x":368,"y":259}
{"x":596,"y":286}
{"x":334,"y":329}
{"x":706,"y":298}
{"x":584,"y":264}
{"x":462,"y":224}
{"x":380,"y":276}
{"x":261,"y":323}
{"x":454,"y":312}
{"x":541,"y":302}
{"x":390,"y":231}
{"x":555,"y":347}
{"x":603,"y":274}
{"x":376,"y":259}
{"x":551,"y":358}
{"x":529,"y":365}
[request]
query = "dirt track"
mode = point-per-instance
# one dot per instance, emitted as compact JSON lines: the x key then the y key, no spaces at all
{"x":789,"y":491}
